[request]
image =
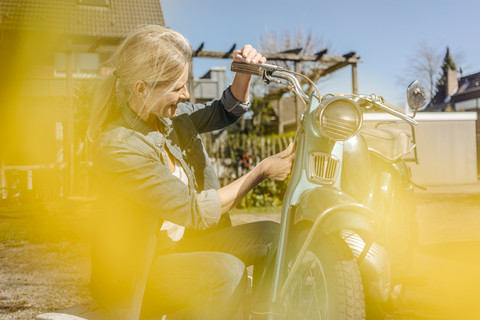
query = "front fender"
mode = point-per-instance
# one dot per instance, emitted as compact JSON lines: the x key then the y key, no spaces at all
{"x":337,"y":210}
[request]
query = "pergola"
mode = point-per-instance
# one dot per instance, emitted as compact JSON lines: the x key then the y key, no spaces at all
{"x":330,"y":63}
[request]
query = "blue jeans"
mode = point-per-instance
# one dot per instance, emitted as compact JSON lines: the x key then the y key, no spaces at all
{"x":204,"y":275}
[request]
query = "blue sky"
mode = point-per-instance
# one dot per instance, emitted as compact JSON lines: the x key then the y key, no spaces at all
{"x":384,"y":33}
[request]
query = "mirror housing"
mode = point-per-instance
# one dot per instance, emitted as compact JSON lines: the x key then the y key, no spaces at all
{"x":416,"y":97}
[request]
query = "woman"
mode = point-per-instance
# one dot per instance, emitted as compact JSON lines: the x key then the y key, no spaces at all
{"x":155,"y":180}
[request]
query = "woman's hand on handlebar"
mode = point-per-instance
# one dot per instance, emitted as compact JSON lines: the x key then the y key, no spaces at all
{"x":278,"y":166}
{"x":240,"y":87}
{"x":250,"y":54}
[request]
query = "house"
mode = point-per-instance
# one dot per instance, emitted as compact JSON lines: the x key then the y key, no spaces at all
{"x":467,"y":97}
{"x":48,"y":48}
{"x":457,"y":94}
{"x":210,"y":86}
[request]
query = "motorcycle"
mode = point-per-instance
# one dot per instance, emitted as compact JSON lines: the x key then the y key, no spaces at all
{"x":348,"y":228}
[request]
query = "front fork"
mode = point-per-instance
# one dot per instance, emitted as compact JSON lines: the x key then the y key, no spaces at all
{"x":272,"y":308}
{"x":340,"y":212}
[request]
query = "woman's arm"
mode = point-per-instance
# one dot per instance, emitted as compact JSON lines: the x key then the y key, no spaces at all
{"x":233,"y":104}
{"x":275,"y":167}
{"x":241,"y":84}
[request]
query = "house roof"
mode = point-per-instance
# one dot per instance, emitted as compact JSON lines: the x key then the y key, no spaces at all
{"x":113,"y":19}
{"x":468,"y":86}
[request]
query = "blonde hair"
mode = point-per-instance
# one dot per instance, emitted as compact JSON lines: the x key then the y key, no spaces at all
{"x":154,"y":54}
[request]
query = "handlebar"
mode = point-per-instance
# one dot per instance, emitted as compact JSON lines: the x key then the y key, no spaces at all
{"x":254,"y":67}
{"x":269,"y":72}
{"x":398,"y":114}
{"x":389,"y":108}
{"x":293,"y":80}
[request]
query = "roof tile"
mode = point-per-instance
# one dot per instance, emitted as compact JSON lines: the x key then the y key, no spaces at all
{"x":69,"y":17}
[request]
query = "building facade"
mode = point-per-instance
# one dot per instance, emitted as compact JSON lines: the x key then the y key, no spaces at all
{"x":50,"y":53}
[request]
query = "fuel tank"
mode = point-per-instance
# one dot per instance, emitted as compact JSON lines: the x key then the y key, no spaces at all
{"x":356,"y":170}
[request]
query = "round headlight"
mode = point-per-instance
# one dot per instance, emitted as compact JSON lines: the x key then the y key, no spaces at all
{"x":340,"y":119}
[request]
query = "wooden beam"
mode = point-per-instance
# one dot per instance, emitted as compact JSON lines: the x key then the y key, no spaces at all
{"x":199,"y":49}
{"x":211,"y":54}
{"x":324,"y":58}
{"x":324,"y":72}
{"x":229,"y":52}
{"x":320,"y":54}
{"x":295,"y":51}
{"x":191,"y":86}
{"x":347,"y":60}
{"x":354,"y":79}
{"x":349,"y":55}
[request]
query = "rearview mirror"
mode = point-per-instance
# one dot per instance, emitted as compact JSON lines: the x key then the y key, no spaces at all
{"x":416,"y":96}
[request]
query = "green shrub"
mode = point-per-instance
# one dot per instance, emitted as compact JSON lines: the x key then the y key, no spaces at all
{"x":229,"y":153}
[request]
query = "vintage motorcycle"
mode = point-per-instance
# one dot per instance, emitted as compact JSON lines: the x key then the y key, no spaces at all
{"x":348,"y":228}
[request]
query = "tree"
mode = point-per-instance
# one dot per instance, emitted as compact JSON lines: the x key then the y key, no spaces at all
{"x":448,"y":64}
{"x":424,"y":66}
{"x":298,"y":41}
{"x":307,"y":42}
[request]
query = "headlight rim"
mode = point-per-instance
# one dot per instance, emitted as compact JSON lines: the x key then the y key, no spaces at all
{"x":323,"y":107}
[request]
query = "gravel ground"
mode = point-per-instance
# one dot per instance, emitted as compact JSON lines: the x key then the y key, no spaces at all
{"x":42,"y":273}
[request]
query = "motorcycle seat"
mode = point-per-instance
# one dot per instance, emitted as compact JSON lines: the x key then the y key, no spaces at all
{"x":389,"y":143}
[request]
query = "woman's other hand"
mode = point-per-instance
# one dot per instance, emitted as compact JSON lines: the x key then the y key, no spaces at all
{"x":275,"y":167}
{"x":279,"y":166}
{"x":250,"y":54}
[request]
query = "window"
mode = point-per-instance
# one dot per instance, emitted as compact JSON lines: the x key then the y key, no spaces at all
{"x":83,"y":65}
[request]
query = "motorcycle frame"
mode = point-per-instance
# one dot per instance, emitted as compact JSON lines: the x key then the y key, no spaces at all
{"x":314,"y":203}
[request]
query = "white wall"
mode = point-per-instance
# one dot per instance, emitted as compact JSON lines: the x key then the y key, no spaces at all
{"x":210,"y":88}
{"x":446,"y":147}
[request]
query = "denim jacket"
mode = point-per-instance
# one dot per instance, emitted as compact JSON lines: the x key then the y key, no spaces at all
{"x":138,"y":192}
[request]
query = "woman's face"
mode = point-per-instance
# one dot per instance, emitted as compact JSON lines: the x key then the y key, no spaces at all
{"x":153,"y":102}
{"x":165,"y":105}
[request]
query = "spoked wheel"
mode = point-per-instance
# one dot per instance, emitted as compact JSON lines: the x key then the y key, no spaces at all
{"x":327,"y":285}
{"x":309,"y":297}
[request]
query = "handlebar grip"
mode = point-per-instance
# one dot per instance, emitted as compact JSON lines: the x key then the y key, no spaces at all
{"x":247,"y":68}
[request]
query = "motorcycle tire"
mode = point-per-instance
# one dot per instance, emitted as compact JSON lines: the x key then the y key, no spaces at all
{"x":400,"y":239}
{"x":328,"y":284}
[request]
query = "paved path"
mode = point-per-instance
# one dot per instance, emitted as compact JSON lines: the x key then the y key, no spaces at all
{"x":472,"y":188}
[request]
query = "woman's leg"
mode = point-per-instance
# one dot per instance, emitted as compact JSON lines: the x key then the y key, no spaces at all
{"x":253,"y":243}
{"x":207,"y":285}
{"x":250,"y":242}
